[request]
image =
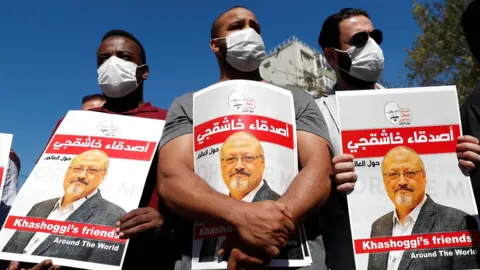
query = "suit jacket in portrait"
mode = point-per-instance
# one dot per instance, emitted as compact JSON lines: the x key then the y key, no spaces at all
{"x":265,"y":193}
{"x":432,"y":218}
{"x":291,"y":251}
{"x":95,"y":210}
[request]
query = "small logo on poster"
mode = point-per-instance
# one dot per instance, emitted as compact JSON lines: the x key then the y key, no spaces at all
{"x":238,"y":102}
{"x":397,"y":115}
{"x":106,"y":128}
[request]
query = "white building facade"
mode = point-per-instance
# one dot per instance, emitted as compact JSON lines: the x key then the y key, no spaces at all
{"x":295,"y":63}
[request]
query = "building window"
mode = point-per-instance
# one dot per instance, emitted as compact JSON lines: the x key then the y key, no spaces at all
{"x":305,"y":56}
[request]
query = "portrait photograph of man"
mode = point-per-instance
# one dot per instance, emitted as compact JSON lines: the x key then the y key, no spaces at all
{"x":415,"y":212}
{"x":392,"y":112}
{"x":81,"y":202}
{"x":242,"y":165}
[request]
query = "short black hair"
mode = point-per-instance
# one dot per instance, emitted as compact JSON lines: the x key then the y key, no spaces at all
{"x":214,"y":29}
{"x":471,"y":27}
{"x":92,"y":97}
{"x":123,"y":33}
{"x":330,"y":34}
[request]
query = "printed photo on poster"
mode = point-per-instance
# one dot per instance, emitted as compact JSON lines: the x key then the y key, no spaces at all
{"x":413,"y":207}
{"x":247,"y":151}
{"x":243,"y":177}
{"x":91,"y":174}
{"x":415,"y":212}
{"x":82,"y":203}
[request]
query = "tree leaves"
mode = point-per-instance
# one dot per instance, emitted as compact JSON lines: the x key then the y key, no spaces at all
{"x":440,"y":54}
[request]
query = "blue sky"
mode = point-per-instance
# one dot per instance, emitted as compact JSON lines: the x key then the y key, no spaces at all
{"x":49,"y":50}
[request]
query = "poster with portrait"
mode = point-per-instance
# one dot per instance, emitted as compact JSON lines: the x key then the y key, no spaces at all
{"x":413,"y":207}
{"x":5,"y":145}
{"x":91,"y":174}
{"x":245,"y":148}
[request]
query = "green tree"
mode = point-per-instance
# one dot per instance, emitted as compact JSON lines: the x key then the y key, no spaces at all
{"x":440,"y":54}
{"x":313,"y":84}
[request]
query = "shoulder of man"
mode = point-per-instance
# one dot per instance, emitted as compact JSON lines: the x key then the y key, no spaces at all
{"x":447,"y":212}
{"x":307,"y":113}
{"x":320,"y":100}
{"x":57,"y":125}
{"x":301,"y":99}
{"x":109,"y":210}
{"x":179,"y":119}
{"x":42,"y":207}
{"x":147,"y":110}
{"x":112,"y":208}
{"x":382,"y":221}
{"x":50,"y":138}
{"x":473,"y":98}
{"x":160,"y":110}
{"x":181,"y":105}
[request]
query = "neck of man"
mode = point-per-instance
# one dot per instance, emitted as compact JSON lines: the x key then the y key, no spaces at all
{"x":237,"y":196}
{"x":352,"y":83}
{"x":227,"y":73}
{"x":127,"y":103}
{"x":402,"y":213}
{"x":67,"y":200}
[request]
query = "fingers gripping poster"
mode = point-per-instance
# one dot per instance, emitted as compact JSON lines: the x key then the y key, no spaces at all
{"x":245,"y":148}
{"x":91,"y":174}
{"x":413,"y":206}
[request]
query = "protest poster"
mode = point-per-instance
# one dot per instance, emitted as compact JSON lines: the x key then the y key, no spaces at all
{"x":5,"y":145}
{"x":91,"y":174}
{"x":245,"y":147}
{"x":413,"y":207}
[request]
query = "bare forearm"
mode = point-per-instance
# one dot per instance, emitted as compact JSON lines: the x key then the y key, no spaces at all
{"x":190,"y":197}
{"x":307,"y":193}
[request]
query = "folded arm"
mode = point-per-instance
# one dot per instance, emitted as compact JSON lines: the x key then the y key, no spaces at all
{"x":264,"y":225}
{"x":311,"y":187}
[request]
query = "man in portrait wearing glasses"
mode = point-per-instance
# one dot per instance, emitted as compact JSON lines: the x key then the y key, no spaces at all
{"x":82,"y":202}
{"x":242,"y":163}
{"x":405,"y":180}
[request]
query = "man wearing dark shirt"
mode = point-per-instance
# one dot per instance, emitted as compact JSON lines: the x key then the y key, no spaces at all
{"x":143,"y":225}
{"x":336,"y":38}
{"x":470,"y":109}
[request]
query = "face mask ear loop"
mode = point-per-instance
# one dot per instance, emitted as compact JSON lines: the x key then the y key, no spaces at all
{"x":137,"y":83}
{"x":337,"y":64}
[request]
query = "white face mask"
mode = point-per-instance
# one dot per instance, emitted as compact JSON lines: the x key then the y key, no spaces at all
{"x":245,"y":50}
{"x":117,"y":77}
{"x":367,"y":62}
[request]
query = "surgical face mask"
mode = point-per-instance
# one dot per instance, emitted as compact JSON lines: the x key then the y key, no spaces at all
{"x":245,"y":50}
{"x":366,"y":63}
{"x":117,"y":77}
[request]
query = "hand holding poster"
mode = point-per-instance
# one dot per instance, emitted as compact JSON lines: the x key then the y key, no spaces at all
{"x":245,"y":148}
{"x":91,"y":174}
{"x":412,"y":207}
{"x":5,"y":145}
